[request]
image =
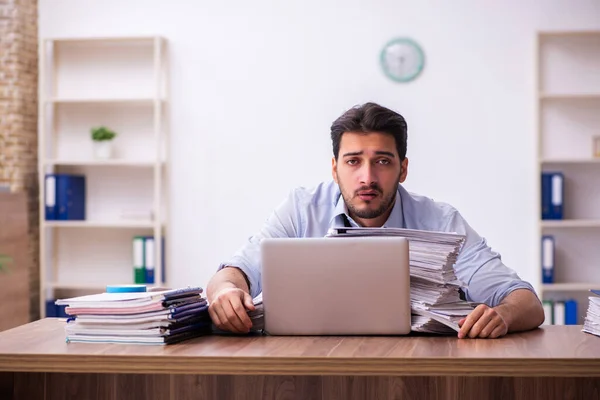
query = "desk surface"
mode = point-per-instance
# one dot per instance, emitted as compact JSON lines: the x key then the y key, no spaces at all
{"x":549,"y":351}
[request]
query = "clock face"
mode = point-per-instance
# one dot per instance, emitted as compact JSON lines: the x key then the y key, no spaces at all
{"x":402,"y":60}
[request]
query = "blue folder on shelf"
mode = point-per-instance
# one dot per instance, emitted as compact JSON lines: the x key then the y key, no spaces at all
{"x":552,"y":195}
{"x":548,"y":259}
{"x":65,"y":197}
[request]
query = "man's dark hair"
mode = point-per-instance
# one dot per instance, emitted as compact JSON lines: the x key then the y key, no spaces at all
{"x":367,"y":118}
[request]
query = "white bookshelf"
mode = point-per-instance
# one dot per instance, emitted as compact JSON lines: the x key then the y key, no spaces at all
{"x":120,"y":83}
{"x":568,"y":109}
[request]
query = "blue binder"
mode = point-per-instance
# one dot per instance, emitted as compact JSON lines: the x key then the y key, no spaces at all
{"x":70,"y":197}
{"x":552,"y":195}
{"x":149,"y":272}
{"x":51,"y":208}
{"x":548,"y":259}
{"x":65,"y":197}
{"x":570,"y":312}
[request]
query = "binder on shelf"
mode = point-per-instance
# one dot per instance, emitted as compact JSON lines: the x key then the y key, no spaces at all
{"x":139,"y":271}
{"x":570,"y":312}
{"x":55,"y":311}
{"x":559,"y":313}
{"x":65,"y":197}
{"x":149,"y":263}
{"x":50,"y":197}
{"x":548,"y":312}
{"x":552,"y":195}
{"x":144,"y":262}
{"x":548,"y":259}
{"x":150,"y":267}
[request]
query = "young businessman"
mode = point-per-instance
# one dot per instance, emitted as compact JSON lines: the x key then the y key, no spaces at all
{"x":369,"y":163}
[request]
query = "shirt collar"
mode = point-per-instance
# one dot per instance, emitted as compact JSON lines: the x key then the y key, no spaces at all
{"x":395,"y":219}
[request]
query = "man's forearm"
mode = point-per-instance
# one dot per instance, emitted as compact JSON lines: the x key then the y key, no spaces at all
{"x":521,"y":310}
{"x":228,"y":277}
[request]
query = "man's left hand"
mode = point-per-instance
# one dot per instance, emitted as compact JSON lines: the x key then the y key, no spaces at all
{"x":483,"y":322}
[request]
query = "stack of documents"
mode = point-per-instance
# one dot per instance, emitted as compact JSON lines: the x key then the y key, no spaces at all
{"x":591,"y":324}
{"x":436,"y":305}
{"x":162,"y":317}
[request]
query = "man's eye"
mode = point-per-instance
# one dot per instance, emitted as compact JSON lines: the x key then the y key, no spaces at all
{"x":352,"y":162}
{"x":383,"y":162}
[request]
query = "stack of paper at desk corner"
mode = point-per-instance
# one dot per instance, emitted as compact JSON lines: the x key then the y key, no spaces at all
{"x":162,"y":317}
{"x":591,"y":323}
{"x":434,"y":288}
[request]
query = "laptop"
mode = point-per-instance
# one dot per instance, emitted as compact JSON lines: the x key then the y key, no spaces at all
{"x":336,"y":286}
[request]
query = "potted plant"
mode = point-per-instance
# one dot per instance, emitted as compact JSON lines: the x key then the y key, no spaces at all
{"x":103,"y":137}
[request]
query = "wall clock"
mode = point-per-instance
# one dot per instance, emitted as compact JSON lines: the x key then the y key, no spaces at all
{"x":402,"y":59}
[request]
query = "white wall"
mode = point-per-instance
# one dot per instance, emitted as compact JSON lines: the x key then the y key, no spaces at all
{"x":256,"y":85}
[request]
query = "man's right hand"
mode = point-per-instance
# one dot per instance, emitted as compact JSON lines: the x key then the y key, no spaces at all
{"x":228,"y":310}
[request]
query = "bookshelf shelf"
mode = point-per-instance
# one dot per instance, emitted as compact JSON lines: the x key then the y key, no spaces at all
{"x":580,"y":161}
{"x":568,"y":121}
{"x":119,"y":101}
{"x":570,"y":96}
{"x":120,"y":83}
{"x":101,"y":163}
{"x":99,"y":224}
{"x":568,"y":287}
{"x":95,"y":287}
{"x":571,"y":223}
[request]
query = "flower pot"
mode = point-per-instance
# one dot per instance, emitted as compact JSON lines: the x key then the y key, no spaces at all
{"x":103,"y":149}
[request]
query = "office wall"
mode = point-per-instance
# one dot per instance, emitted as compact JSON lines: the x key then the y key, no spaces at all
{"x":256,"y":85}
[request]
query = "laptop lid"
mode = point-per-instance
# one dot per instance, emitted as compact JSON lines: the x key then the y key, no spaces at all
{"x":336,"y":286}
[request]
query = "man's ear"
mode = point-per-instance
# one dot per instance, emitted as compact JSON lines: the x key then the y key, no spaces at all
{"x":334,"y":169}
{"x":403,"y":170}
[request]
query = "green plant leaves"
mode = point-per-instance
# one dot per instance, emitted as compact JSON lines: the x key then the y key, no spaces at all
{"x":102,"y":133}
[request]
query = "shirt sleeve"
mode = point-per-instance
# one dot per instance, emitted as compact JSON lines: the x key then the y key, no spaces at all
{"x":488,"y":280}
{"x":283,"y":222}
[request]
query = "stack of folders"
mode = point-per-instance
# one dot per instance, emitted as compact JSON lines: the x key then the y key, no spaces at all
{"x":436,"y":305}
{"x":591,"y":324}
{"x":161,"y":317}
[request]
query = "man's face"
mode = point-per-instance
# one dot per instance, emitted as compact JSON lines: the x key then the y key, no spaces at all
{"x":368,"y":171}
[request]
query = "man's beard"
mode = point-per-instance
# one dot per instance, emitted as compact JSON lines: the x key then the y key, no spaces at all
{"x":386,"y":202}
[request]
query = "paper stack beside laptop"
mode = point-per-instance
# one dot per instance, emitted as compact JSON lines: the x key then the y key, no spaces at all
{"x":162,"y":317}
{"x":591,"y":323}
{"x":436,"y":305}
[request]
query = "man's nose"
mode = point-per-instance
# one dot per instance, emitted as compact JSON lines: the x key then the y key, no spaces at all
{"x":367,"y":174}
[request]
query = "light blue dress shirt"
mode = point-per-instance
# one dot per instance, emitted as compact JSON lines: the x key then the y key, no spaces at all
{"x":311,"y":212}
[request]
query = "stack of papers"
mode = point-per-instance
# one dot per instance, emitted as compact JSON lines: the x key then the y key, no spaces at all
{"x":436,"y":305}
{"x":591,"y":323}
{"x":162,"y":317}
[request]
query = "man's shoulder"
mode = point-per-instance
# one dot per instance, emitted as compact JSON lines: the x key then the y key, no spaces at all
{"x":319,"y":194}
{"x":424,"y":212}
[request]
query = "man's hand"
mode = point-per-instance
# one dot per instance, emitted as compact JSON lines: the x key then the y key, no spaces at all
{"x":483,"y":322}
{"x":228,"y":310}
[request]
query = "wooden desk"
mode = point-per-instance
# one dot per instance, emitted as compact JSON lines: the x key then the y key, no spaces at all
{"x":555,"y":362}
